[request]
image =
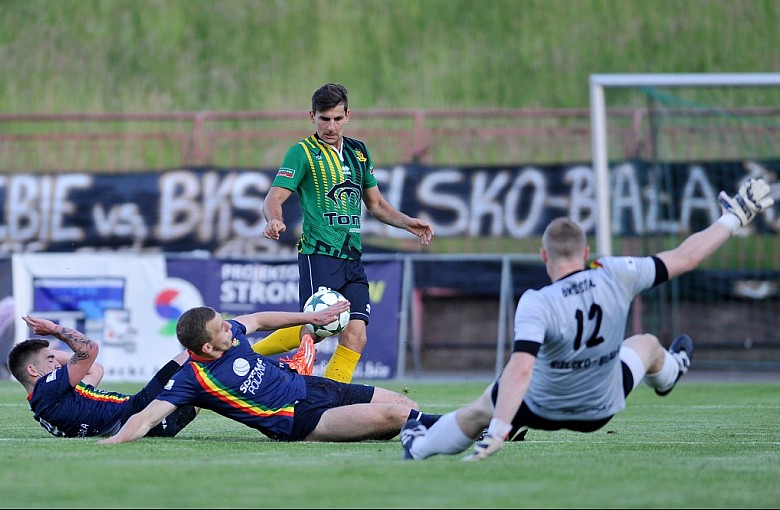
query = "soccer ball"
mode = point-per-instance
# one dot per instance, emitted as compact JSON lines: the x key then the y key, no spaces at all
{"x":324,"y":298}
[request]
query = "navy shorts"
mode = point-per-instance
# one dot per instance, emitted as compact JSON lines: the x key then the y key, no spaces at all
{"x":171,"y":424}
{"x":346,"y":276}
{"x":525,"y":418}
{"x":323,"y":394}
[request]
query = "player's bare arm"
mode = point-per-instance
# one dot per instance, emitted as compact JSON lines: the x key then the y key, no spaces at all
{"x":141,"y":423}
{"x":511,"y":391}
{"x":738,"y":211}
{"x":272,"y":210}
{"x":93,"y":376}
{"x":263,"y":321}
{"x":693,"y":250}
{"x":384,"y":211}
{"x":85,"y":351}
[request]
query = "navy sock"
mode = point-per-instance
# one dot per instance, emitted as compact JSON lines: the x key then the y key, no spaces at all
{"x":426,"y":419}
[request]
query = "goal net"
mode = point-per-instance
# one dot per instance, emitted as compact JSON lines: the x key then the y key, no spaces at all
{"x":663,"y":147}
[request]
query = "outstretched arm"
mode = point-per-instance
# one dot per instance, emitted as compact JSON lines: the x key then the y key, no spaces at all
{"x":512,"y":387}
{"x":141,"y":422}
{"x":263,"y":321}
{"x":384,"y":211}
{"x":738,"y":211}
{"x":695,"y":249}
{"x":85,"y":351}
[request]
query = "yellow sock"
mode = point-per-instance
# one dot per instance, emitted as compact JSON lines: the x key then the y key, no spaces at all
{"x":342,"y":364}
{"x":281,"y":340}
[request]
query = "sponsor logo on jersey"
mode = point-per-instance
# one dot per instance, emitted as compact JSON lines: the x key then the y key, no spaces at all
{"x":255,"y":378}
{"x":347,"y":171}
{"x":345,"y":191}
{"x":360,"y":157}
{"x":286,"y":172}
{"x":240,"y":367}
{"x":169,"y":384}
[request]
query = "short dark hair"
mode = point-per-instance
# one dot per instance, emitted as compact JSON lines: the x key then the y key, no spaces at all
{"x":191,"y":327}
{"x":22,"y":354}
{"x":329,"y":96}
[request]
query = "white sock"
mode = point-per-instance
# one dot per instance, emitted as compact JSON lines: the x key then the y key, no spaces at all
{"x":444,"y":436}
{"x":667,"y":376}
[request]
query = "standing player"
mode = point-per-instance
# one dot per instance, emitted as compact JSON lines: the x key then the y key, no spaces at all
{"x":332,"y":174}
{"x":570,"y":368}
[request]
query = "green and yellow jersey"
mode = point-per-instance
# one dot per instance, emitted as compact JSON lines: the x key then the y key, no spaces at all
{"x":330,"y":191}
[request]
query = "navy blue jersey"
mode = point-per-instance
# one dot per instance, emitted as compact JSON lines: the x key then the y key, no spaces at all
{"x":82,"y":411}
{"x":241,"y":385}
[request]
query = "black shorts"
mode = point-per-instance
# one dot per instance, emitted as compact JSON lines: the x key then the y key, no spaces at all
{"x":343,"y":275}
{"x":526,"y":418}
{"x":323,"y":394}
{"x":171,"y":424}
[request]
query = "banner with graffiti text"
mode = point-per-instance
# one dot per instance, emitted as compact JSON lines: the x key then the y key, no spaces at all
{"x":218,"y":212}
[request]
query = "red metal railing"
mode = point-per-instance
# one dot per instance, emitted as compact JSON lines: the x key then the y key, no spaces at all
{"x":125,"y":142}
{"x":134,"y":142}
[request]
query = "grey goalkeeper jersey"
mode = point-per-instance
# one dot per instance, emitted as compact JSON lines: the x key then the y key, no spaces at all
{"x":580,"y":322}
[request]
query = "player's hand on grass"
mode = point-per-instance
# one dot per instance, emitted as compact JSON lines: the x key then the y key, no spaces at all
{"x":491,"y":442}
{"x":751,"y":198}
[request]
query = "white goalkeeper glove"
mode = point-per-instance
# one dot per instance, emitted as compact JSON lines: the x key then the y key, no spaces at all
{"x":491,"y":442}
{"x":751,"y":198}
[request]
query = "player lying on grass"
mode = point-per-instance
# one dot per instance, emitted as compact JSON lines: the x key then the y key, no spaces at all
{"x":226,"y":376}
{"x":570,"y":367}
{"x":62,"y":390}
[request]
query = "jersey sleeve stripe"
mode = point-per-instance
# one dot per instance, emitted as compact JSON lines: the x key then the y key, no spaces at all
{"x":100,"y":396}
{"x":527,"y":346}
{"x":216,"y":390}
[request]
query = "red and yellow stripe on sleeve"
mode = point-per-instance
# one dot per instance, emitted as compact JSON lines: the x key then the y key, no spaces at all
{"x":101,"y":396}
{"x":218,"y":391}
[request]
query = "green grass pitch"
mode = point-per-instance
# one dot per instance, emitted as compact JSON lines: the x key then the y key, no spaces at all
{"x":706,"y":445}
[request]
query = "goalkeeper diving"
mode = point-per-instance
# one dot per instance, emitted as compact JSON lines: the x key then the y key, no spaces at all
{"x":570,"y":366}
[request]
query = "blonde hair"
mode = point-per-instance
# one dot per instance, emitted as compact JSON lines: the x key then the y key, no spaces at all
{"x":564,"y":239}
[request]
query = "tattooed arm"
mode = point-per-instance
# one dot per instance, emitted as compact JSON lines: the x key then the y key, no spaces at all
{"x":93,"y":376}
{"x":85,"y":351}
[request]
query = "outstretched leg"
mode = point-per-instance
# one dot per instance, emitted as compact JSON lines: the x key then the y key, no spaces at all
{"x":662,"y":368}
{"x":453,"y":433}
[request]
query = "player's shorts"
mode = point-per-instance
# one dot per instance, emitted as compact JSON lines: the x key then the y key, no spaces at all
{"x":346,"y":276}
{"x":323,"y":394}
{"x":174,"y":422}
{"x":528,"y":419}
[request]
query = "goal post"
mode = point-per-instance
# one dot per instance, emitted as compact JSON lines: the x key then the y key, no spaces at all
{"x":663,"y":146}
{"x":598,"y":115}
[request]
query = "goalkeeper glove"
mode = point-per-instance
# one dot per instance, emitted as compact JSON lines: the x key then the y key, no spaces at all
{"x":751,"y":198}
{"x":492,"y":441}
